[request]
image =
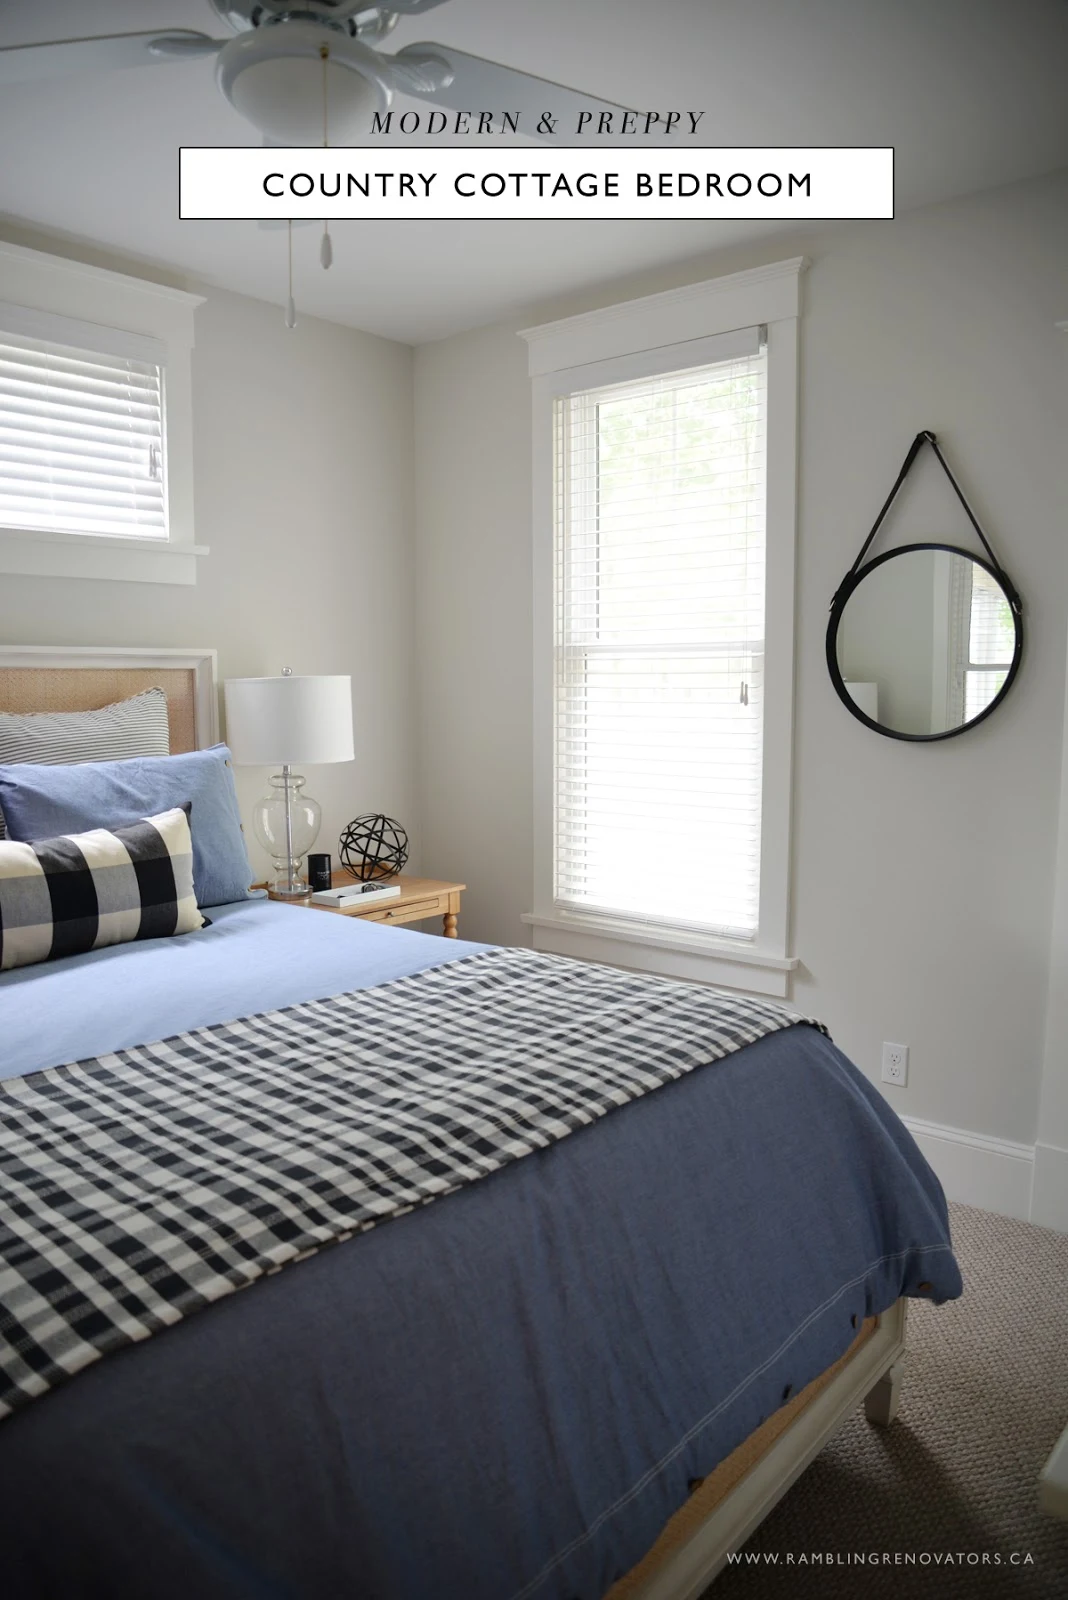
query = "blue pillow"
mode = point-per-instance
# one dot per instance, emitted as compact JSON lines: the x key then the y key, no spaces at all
{"x":40,"y":802}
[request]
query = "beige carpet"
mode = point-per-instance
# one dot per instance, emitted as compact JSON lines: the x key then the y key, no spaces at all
{"x":984,"y":1401}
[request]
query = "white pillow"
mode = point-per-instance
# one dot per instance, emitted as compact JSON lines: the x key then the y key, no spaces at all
{"x":134,"y":727}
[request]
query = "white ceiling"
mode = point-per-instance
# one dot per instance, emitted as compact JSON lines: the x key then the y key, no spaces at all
{"x":972,"y":93}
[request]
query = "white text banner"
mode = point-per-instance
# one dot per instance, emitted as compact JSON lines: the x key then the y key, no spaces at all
{"x":521,"y":183}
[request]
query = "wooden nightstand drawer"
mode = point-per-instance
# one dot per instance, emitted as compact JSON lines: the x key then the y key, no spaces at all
{"x":419,"y":898}
{"x":413,"y":911}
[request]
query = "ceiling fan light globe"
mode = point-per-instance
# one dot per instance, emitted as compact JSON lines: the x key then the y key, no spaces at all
{"x":274,"y":79}
{"x":284,"y":100}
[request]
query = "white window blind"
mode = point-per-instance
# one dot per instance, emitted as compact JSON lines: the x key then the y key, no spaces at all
{"x":659,"y":649}
{"x":81,"y":434}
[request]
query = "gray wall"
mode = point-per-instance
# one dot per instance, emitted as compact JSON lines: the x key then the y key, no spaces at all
{"x":302,"y":453}
{"x":922,"y":874}
{"x":922,"y":887}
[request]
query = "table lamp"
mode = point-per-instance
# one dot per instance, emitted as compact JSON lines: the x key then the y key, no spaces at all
{"x":284,"y":721}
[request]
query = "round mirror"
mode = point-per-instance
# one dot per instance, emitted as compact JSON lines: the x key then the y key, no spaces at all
{"x":923,"y":642}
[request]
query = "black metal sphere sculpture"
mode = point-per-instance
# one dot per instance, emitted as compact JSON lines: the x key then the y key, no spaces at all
{"x":373,"y":847}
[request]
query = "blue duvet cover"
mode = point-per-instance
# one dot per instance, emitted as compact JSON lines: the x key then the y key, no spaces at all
{"x":501,"y":1396}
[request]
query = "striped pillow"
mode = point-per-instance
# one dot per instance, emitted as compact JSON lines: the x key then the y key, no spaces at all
{"x":135,"y":727}
{"x":81,"y":891}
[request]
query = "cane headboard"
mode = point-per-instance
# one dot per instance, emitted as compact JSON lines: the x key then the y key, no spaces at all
{"x":54,"y":678}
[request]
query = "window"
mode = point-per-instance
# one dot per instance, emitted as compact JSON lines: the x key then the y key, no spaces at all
{"x":981,"y":636}
{"x":665,"y":483}
{"x":96,"y":423}
{"x":660,"y":517}
{"x":81,"y":433}
{"x":991,"y":641}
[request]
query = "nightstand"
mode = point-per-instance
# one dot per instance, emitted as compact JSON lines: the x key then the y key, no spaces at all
{"x":419,"y":898}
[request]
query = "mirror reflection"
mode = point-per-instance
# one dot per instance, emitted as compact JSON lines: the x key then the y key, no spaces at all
{"x":926,"y":641}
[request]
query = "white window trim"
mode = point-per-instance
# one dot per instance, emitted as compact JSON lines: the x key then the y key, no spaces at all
{"x":574,"y":354}
{"x":111,"y":307}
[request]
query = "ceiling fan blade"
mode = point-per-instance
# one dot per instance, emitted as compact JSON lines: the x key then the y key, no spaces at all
{"x":448,"y":77}
{"x":411,"y":8}
{"x":27,"y":62}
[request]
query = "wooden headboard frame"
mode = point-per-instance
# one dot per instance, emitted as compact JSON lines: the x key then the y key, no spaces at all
{"x":72,"y":678}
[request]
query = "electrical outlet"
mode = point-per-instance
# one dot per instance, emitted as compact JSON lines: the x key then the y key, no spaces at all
{"x":896,"y":1064}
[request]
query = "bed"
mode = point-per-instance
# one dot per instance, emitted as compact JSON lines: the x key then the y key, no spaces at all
{"x":591,"y":1372}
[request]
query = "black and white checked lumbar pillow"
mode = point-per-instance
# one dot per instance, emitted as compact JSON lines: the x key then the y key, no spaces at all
{"x":80,"y":891}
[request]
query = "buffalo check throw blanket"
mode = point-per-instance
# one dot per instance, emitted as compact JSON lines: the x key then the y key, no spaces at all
{"x":139,"y":1187}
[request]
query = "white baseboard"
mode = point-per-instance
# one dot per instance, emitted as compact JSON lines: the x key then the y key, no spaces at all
{"x":1049,"y":1199}
{"x":977,"y":1170}
{"x":1016,"y":1180}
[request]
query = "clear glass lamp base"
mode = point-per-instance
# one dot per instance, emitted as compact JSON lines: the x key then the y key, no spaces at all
{"x":283,"y":889}
{"x":286,"y":822}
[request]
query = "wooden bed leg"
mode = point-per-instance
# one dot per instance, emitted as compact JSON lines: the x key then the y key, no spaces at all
{"x":880,"y":1402}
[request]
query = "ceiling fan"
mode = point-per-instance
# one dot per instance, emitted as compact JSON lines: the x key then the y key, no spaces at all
{"x":272,"y":70}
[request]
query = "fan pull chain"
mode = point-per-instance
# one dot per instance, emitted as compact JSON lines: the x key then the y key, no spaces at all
{"x":291,"y":309}
{"x":326,"y":245}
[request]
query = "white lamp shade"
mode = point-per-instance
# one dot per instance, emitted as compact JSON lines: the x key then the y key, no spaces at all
{"x":289,"y":720}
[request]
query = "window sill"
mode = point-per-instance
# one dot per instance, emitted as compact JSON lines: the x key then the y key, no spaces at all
{"x":704,"y":959}
{"x":70,"y":555}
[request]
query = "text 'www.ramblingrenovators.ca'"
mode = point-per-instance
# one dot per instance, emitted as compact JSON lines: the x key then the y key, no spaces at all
{"x":881,"y":1558}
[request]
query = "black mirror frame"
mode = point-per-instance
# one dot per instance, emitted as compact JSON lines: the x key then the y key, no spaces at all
{"x":839,"y":605}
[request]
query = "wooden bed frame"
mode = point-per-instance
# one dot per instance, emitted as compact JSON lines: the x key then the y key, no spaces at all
{"x":739,"y":1492}
{"x":736,"y":1497}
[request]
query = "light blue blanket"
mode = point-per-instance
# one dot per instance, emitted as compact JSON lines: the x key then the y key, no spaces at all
{"x":257,"y":955}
